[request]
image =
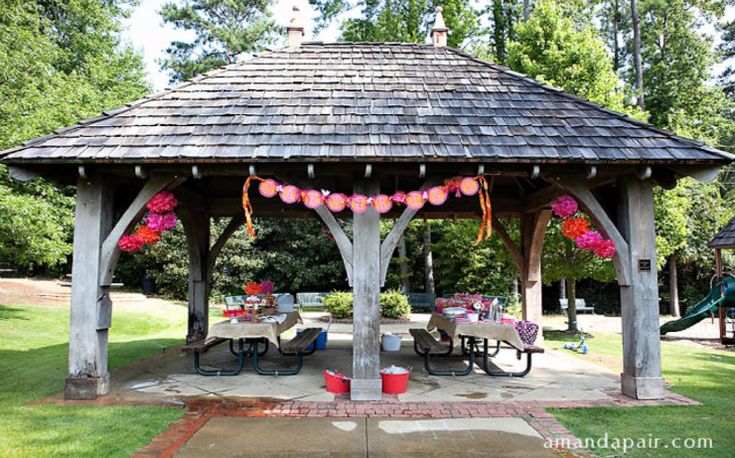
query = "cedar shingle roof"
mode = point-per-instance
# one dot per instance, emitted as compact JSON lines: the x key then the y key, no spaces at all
{"x":358,"y":101}
{"x":725,"y":238}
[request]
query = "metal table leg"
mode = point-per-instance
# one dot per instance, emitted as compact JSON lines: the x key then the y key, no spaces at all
{"x":241,"y":363}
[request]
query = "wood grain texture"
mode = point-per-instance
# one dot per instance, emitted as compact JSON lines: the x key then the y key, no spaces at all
{"x":197,"y":229}
{"x":641,"y":377}
{"x":366,"y":300}
{"x":88,"y":334}
{"x":344,"y":244}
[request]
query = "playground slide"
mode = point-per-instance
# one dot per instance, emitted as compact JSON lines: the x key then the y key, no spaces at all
{"x":723,"y":291}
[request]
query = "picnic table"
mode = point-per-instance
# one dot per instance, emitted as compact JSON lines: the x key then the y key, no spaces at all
{"x":425,"y":344}
{"x":254,"y":332}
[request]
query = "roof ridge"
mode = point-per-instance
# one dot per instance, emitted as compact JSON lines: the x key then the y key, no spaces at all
{"x":597,"y":106}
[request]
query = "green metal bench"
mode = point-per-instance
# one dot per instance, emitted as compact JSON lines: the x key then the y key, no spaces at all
{"x":421,"y":301}
{"x":312,"y":300}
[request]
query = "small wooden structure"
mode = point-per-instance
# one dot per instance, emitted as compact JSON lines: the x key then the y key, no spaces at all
{"x":725,"y":239}
{"x":362,"y":117}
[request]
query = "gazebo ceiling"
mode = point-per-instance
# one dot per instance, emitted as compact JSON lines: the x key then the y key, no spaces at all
{"x":362,"y":102}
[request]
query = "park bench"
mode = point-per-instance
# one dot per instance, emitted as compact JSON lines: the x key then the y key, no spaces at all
{"x":298,"y":346}
{"x":312,"y":300}
{"x":202,"y":346}
{"x":528,"y":351}
{"x":425,"y":345}
{"x":580,"y":305}
{"x":421,"y":301}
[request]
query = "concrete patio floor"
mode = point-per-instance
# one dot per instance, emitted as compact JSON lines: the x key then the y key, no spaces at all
{"x":555,"y":376}
{"x":507,"y":437}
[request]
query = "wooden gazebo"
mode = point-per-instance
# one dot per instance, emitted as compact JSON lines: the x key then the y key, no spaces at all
{"x":725,"y":239}
{"x":362,"y":117}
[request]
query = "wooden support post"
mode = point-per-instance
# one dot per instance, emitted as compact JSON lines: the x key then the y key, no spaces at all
{"x":641,"y":377}
{"x":533,"y":230}
{"x":366,"y":383}
{"x":88,"y":330}
{"x":197,"y":228}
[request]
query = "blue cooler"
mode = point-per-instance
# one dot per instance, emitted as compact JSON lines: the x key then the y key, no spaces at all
{"x":320,"y":342}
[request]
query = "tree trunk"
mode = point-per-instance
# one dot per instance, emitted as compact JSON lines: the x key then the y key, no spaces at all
{"x":526,"y":9}
{"x":673,"y":286}
{"x":428,"y":260}
{"x":499,"y":30}
{"x":616,"y":44}
{"x":403,"y":266}
{"x":562,"y":288}
{"x":572,"y":305}
{"x":637,"y":54}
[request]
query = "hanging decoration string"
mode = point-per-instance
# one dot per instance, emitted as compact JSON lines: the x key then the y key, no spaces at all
{"x":382,"y":203}
{"x":247,"y":206}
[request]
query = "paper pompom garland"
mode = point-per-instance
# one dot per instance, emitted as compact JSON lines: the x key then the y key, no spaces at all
{"x":358,"y":203}
{"x":578,"y":229}
{"x":159,"y":219}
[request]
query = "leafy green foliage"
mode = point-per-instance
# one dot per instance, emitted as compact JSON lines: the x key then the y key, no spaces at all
{"x":407,"y":21}
{"x":394,"y":304}
{"x":552,"y":47}
{"x":224,"y":29}
{"x":461,"y":267}
{"x":339,"y":304}
{"x":62,"y":61}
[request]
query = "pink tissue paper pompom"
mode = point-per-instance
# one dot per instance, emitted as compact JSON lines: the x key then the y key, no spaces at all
{"x":605,"y":249}
{"x":130,"y":243}
{"x":564,"y":207}
{"x":588,"y":241}
{"x":162,"y":202}
{"x":168,"y":221}
{"x":161,"y":222}
{"x":266,"y":287}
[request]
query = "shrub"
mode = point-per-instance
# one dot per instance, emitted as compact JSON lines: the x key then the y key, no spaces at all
{"x":339,"y":304}
{"x":394,"y":304}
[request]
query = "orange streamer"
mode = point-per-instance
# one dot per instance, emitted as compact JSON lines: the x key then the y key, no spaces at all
{"x":247,"y":206}
{"x":487,"y":211}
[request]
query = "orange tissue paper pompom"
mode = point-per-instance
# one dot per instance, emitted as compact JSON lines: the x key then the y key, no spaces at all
{"x":575,"y":227}
{"x":252,"y":288}
{"x":148,"y":235}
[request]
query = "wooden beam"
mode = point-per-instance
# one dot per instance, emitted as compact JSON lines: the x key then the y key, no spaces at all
{"x":540,"y":199}
{"x":89,"y":319}
{"x":235,"y":223}
{"x":510,"y":244}
{"x":110,"y":252}
{"x":197,"y":229}
{"x":533,"y":242}
{"x":366,"y":383}
{"x":599,"y":216}
{"x":340,"y":238}
{"x":391,"y":240}
{"x":641,"y":378}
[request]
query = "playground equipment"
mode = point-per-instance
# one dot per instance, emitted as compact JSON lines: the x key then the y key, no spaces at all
{"x":721,"y":297}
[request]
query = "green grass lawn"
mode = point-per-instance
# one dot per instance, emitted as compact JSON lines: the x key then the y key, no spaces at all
{"x":705,"y":375}
{"x":33,"y":351}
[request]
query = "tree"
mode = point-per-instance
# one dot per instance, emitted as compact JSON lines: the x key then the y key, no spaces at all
{"x":223,"y":28}
{"x":71,"y":65}
{"x":727,"y":50}
{"x":461,"y":267}
{"x":561,"y":259}
{"x":551,"y":46}
{"x":640,"y":99}
{"x":399,"y":20}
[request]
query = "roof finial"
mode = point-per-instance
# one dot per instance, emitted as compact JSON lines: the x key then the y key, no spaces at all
{"x":440,"y":31}
{"x":295,"y":29}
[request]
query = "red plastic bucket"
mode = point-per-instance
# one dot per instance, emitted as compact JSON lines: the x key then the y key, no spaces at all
{"x":395,"y":383}
{"x":336,"y":383}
